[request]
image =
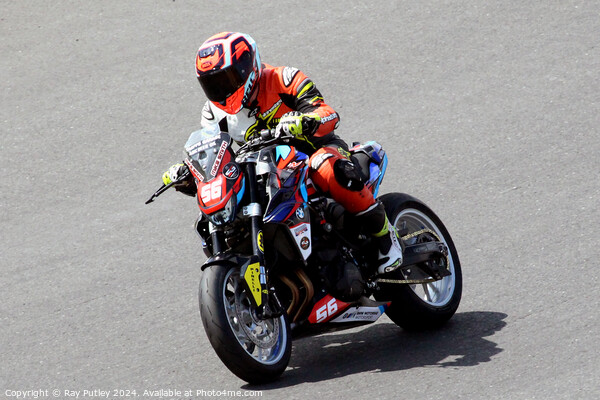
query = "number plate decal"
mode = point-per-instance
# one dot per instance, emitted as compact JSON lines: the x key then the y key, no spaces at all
{"x":325,"y":309}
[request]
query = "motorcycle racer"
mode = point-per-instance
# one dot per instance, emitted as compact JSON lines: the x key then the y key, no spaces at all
{"x":246,"y":96}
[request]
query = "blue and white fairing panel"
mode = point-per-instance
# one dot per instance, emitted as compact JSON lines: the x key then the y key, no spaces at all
{"x":299,"y":226}
{"x":287,"y":176}
{"x":360,"y":314}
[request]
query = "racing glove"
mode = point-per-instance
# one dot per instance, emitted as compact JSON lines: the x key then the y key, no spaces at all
{"x":297,"y":124}
{"x":174,"y":173}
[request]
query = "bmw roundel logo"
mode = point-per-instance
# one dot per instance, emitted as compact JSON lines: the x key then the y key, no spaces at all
{"x":300,"y":213}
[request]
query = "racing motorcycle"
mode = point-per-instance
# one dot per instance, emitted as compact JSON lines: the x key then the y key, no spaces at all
{"x":285,"y":260}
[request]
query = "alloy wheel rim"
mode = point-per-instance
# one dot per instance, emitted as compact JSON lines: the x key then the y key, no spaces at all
{"x":263,"y":340}
{"x":440,"y":292}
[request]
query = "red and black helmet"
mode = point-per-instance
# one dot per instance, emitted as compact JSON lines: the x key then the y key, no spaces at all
{"x":228,"y":68}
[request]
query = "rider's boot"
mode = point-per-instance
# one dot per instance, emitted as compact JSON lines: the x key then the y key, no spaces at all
{"x":385,"y":235}
{"x":390,"y":250}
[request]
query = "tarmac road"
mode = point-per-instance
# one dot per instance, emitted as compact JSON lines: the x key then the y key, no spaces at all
{"x":489,"y":111}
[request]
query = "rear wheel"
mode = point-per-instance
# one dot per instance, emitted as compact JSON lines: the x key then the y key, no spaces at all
{"x":424,"y":305}
{"x":256,"y":350}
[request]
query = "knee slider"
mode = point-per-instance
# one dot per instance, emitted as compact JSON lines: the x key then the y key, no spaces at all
{"x":347,"y":175}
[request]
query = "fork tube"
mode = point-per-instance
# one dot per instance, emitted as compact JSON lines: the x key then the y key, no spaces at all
{"x":216,"y":234}
{"x":255,"y":214}
{"x":256,"y":221}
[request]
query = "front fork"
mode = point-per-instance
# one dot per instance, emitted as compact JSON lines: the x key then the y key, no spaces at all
{"x":255,"y":274}
{"x":253,"y":271}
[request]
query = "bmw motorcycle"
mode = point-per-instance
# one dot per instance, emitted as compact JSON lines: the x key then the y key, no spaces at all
{"x":285,"y":260}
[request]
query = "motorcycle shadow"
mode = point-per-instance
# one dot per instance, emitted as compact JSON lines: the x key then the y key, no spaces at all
{"x":386,"y":347}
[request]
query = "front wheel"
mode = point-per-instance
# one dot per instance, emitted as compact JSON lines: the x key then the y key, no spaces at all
{"x":424,"y":305}
{"x":256,"y":350}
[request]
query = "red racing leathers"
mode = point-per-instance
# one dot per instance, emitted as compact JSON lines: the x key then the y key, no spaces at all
{"x":285,"y":89}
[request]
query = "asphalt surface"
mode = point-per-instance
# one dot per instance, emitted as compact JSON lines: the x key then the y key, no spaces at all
{"x":489,"y":111}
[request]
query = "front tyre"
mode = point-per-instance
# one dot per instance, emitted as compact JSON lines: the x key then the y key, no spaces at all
{"x":425,"y":305}
{"x":257,"y":351}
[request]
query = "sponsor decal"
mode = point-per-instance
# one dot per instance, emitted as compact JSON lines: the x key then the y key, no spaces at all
{"x":272,"y":109}
{"x":329,"y":118}
{"x":302,"y":233}
{"x":293,"y":165}
{"x":231,"y":171}
{"x":215,"y":167}
{"x":193,"y":169}
{"x":305,"y":243}
{"x":252,"y":278}
{"x":249,"y":85}
{"x":344,"y":152}
{"x":201,"y":146}
{"x":288,"y":75}
{"x":367,"y":314}
{"x":301,"y":229}
{"x":209,"y":58}
{"x":300,"y":213}
{"x":259,"y":240}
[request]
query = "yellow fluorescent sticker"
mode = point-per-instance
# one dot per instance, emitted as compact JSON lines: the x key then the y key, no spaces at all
{"x":261,"y":245}
{"x":252,"y":277}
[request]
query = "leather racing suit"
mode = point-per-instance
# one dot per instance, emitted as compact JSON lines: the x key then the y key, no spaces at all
{"x":285,"y":89}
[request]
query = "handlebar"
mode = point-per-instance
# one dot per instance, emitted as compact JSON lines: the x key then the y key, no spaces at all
{"x":264,"y":138}
{"x":267,"y":134}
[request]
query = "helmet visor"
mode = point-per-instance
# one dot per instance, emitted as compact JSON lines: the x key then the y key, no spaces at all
{"x":219,"y":85}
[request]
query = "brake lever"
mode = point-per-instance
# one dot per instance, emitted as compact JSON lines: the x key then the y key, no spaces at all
{"x":164,"y":187}
{"x":160,"y":191}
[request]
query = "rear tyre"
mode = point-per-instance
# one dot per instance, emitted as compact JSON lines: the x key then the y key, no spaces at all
{"x":428,"y":305}
{"x":257,"y":351}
